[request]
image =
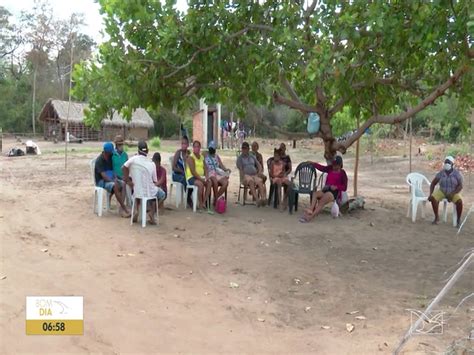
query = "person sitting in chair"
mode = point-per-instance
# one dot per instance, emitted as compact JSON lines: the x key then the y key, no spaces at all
{"x":217,"y":173}
{"x":250,"y":169}
{"x":178,"y":165}
{"x":106,"y":178}
{"x":450,"y":183}
{"x":336,"y":184}
{"x":196,"y":172}
{"x":259,"y":157}
{"x":149,"y":179}
{"x":161,"y":179}
{"x":278,"y":177}
{"x":286,"y":159}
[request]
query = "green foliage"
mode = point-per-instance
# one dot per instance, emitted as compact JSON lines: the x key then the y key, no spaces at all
{"x":458,"y":150}
{"x":343,"y":122}
{"x":155,"y":142}
{"x":447,"y":119}
{"x":167,"y":124}
{"x":295,"y":122}
{"x":15,"y":102}
{"x":374,"y":55}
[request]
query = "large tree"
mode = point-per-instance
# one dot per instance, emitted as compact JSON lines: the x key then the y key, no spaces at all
{"x":375,"y":57}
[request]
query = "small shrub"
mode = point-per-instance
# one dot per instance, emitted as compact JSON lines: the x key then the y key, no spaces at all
{"x":155,"y":142}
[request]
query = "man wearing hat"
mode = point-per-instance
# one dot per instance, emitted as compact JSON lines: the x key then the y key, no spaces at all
{"x":149,"y":178}
{"x":106,"y":178}
{"x":450,"y":185}
{"x":119,"y":157}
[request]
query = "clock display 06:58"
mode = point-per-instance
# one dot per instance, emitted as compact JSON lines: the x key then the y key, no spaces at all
{"x":54,"y":327}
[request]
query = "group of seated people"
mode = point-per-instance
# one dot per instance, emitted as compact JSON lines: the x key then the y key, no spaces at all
{"x":210,"y":176}
{"x":112,"y":172}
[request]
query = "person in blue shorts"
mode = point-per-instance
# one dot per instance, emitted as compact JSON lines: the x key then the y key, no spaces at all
{"x":106,"y":178}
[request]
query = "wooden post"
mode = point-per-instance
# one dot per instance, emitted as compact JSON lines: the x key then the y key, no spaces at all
{"x":356,"y":165}
{"x":33,"y":102}
{"x":69,"y":104}
{"x":471,"y":143}
{"x":411,"y":136}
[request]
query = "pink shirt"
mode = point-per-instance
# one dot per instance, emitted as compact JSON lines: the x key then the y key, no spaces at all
{"x":336,"y":178}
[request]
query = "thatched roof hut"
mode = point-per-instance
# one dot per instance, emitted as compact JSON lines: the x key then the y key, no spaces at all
{"x":55,"y":113}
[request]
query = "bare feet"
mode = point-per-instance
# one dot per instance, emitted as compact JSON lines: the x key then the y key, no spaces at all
{"x":436,"y":221}
{"x":151,"y":219}
{"x":124,"y":213}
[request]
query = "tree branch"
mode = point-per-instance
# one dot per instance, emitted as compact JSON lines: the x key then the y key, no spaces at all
{"x":294,"y":104}
{"x":439,"y":91}
{"x":337,"y":106}
{"x":209,"y":48}
{"x":286,"y":84}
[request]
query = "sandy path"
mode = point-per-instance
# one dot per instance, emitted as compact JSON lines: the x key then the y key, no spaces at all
{"x":170,"y":296}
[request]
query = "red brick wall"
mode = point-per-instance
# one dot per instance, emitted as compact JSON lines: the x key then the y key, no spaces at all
{"x":197,"y":126}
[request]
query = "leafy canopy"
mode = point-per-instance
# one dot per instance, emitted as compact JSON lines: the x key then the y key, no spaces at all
{"x":369,"y":56}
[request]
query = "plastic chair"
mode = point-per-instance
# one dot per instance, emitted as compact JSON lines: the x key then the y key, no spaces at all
{"x":445,"y":212}
{"x":307,"y":177}
{"x":194,"y":196}
{"x":138,"y":172}
{"x":415,"y":181}
{"x":99,"y":193}
{"x":178,"y":187}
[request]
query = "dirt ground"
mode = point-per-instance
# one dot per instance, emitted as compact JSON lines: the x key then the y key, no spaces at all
{"x":297,"y":282}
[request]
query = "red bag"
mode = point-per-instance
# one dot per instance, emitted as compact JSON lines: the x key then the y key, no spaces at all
{"x":221,"y":205}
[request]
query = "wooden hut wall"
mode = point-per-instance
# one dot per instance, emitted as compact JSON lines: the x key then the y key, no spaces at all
{"x":137,"y":133}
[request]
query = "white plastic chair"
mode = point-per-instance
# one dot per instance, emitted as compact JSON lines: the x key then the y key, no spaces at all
{"x":194,"y":196}
{"x":181,"y":194}
{"x":99,"y":193}
{"x":139,"y":173}
{"x":415,"y":180}
{"x":178,"y":187}
{"x":445,"y":212}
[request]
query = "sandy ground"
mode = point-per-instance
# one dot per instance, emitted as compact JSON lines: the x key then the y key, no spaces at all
{"x":173,"y":294}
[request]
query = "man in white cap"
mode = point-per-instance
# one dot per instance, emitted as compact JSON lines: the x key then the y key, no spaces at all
{"x":450,"y":185}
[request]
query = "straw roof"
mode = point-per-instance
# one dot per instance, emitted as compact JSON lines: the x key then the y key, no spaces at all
{"x":140,"y":118}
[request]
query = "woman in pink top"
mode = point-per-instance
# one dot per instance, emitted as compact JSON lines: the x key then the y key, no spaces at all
{"x":336,"y":183}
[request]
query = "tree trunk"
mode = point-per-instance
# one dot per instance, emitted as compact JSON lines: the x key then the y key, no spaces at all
{"x":33,"y":101}
{"x":356,"y":165}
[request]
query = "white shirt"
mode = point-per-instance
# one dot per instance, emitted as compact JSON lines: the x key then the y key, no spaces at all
{"x":148,"y":179}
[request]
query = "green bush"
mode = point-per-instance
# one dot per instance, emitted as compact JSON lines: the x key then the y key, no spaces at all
{"x":459,"y":150}
{"x":155,"y":142}
{"x":343,"y":122}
